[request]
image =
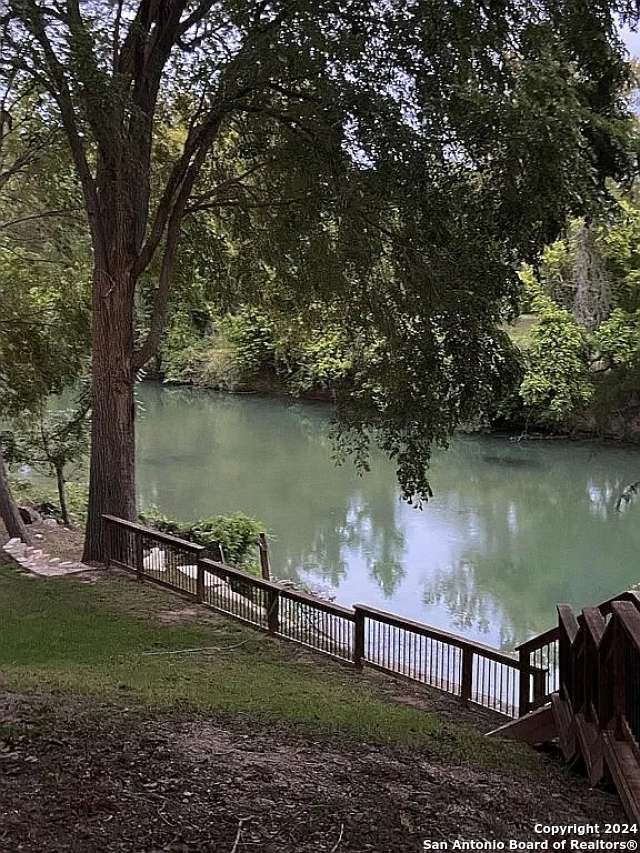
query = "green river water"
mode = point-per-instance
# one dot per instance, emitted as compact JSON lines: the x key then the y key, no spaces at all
{"x":514,"y":527}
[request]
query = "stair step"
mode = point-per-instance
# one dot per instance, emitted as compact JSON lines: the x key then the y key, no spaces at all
{"x":534,"y":728}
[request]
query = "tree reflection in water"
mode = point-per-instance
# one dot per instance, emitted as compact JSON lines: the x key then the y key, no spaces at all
{"x":513,"y":529}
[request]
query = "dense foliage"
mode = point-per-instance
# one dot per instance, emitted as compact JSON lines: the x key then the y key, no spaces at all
{"x":43,"y":261}
{"x":44,"y":267}
{"x":237,"y":533}
{"x":557,"y":382}
{"x":582,"y":357}
{"x":253,"y":350}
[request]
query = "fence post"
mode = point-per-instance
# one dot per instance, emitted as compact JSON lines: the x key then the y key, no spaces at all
{"x":273,"y":612}
{"x":263,"y":547}
{"x":467,"y":674}
{"x":108,"y":529}
{"x":539,"y":686}
{"x":524,"y":702}
{"x":200,"y":579}
{"x":358,"y":638}
{"x":139,"y":556}
{"x":618,"y":676}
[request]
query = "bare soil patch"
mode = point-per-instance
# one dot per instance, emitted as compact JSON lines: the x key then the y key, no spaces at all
{"x":55,"y":539}
{"x":95,"y":779}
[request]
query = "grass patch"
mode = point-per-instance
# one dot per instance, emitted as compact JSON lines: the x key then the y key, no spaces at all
{"x":90,"y":639}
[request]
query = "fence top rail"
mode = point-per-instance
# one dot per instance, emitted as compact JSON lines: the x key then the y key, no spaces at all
{"x":321,"y":604}
{"x":593,"y":623}
{"x":155,"y":534}
{"x":568,"y":621}
{"x":443,"y":636}
{"x":552,"y":633}
{"x":625,"y":613}
{"x":539,"y":640}
{"x":328,"y":606}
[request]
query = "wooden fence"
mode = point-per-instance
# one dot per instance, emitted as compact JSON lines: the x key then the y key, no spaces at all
{"x":600,"y":665}
{"x":542,"y":655}
{"x":356,"y":636}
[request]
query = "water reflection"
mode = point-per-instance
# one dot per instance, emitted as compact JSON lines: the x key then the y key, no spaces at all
{"x":513,"y":529}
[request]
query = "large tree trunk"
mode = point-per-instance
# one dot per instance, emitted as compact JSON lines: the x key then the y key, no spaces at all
{"x":112,"y":471}
{"x":9,"y":513}
{"x":593,"y":300}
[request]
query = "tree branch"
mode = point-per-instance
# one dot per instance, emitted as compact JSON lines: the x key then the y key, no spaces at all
{"x":46,"y":214}
{"x":161,"y":299}
{"x":31,"y":16}
{"x":183,"y":174}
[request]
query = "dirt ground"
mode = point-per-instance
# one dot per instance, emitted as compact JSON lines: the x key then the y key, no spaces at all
{"x":75,"y":776}
{"x":56,"y":540}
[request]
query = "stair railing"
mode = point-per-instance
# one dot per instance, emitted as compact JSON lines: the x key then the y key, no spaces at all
{"x":600,"y":668}
{"x":538,"y":670}
{"x":593,"y":626}
{"x":545,"y":651}
{"x":621,"y":643}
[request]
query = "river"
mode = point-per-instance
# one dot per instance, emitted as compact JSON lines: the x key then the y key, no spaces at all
{"x":513,"y":528}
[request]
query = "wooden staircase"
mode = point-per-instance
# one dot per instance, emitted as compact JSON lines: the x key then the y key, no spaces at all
{"x":594,"y":715}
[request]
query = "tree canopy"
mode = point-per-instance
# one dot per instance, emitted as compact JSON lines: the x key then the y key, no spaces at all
{"x":394,"y":162}
{"x":581,"y":357}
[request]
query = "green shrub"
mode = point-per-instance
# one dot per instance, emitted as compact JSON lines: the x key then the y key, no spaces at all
{"x":617,"y":340}
{"x":557,"y":384}
{"x":181,"y":349}
{"x":239,"y":348}
{"x":252,"y":336}
{"x":322,"y":360}
{"x":45,"y":492}
{"x":247,"y":345}
{"x":238,"y":534}
{"x":215,"y":364}
{"x":616,"y":345}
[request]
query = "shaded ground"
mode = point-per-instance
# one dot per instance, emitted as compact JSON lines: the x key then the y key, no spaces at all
{"x":82,"y":778}
{"x":116,"y":736}
{"x":57,"y":541}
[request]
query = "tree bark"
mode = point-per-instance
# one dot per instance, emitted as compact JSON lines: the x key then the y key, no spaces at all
{"x":112,"y":470}
{"x":9,"y":513}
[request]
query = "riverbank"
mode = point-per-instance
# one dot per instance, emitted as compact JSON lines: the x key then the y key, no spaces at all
{"x":544,"y":389}
{"x":620,"y":430}
{"x":134,"y":744}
